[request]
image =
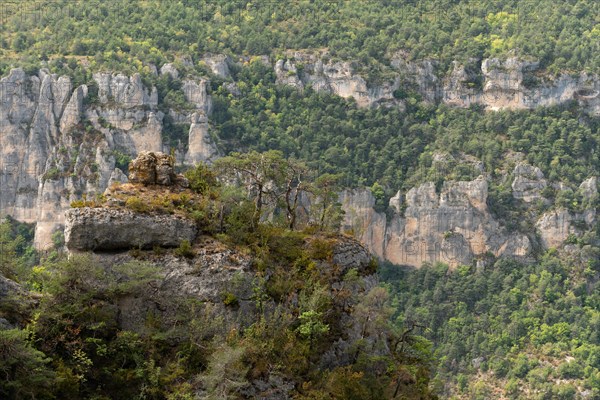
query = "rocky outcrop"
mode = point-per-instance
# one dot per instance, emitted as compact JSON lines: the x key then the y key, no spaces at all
{"x":453,"y":226}
{"x":127,"y":92}
{"x":217,"y":288}
{"x":554,"y":228}
{"x":196,"y":93}
{"x":150,"y":168}
{"x":201,"y":147}
{"x":528,"y":183}
{"x":497,"y":84}
{"x":589,"y":189}
{"x":105,"y":229}
{"x":218,"y":64}
{"x":8,"y":288}
{"x":74,"y":110}
{"x":169,"y":69}
{"x":335,"y":77}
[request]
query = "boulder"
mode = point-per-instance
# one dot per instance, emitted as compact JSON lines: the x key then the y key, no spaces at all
{"x":143,"y":169}
{"x":154,"y":168}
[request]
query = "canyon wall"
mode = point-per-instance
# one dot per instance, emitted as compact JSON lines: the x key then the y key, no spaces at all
{"x":494,"y":83}
{"x":59,"y":142}
{"x":456,"y":225}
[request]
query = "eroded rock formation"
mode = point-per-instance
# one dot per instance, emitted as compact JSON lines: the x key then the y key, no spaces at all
{"x":453,"y":226}
{"x":494,"y":83}
{"x":59,"y":143}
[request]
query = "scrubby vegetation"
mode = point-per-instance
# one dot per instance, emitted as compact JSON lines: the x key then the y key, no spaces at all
{"x":72,"y":343}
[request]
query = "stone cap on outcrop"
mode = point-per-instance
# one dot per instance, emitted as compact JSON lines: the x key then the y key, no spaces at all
{"x":349,"y":253}
{"x":106,"y":229}
{"x":155,"y":168}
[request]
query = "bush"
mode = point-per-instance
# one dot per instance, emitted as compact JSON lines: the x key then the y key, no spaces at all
{"x":570,"y":370}
{"x":229,"y":299}
{"x":202,"y":179}
{"x":52,"y":174}
{"x":136,"y":204}
{"x":321,"y":249}
{"x":185,"y":250}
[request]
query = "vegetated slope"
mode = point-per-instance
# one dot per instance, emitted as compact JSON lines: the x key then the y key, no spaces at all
{"x":396,"y":147}
{"x":245,"y":309}
{"x":387,"y":149}
{"x":511,"y":330}
{"x":123,"y":34}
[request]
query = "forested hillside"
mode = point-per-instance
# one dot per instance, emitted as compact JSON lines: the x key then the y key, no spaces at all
{"x":469,"y":120}
{"x":123,"y":34}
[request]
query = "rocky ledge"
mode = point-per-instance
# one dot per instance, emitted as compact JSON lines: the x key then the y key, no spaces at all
{"x":102,"y":229}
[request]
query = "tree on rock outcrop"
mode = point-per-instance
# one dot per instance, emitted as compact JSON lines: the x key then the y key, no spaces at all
{"x":268,"y":179}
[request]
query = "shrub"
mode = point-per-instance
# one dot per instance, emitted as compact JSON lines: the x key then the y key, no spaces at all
{"x":136,"y":204}
{"x":51,"y":175}
{"x":201,"y":179}
{"x":321,"y":249}
{"x":570,"y":370}
{"x":229,"y":299}
{"x":185,"y":250}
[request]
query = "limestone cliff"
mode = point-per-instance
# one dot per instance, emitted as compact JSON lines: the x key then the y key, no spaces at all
{"x":453,"y":226}
{"x":494,"y":83}
{"x":335,"y":77}
{"x":456,"y":226}
{"x":59,"y":143}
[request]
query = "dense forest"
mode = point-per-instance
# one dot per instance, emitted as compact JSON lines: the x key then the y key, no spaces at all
{"x":509,"y":329}
{"x":124,"y":35}
{"x":513,"y":329}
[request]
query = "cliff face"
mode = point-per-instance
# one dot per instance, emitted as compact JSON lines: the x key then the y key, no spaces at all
{"x":60,"y":142}
{"x":339,"y":78}
{"x":453,"y":226}
{"x":496,"y":84}
{"x":456,"y":226}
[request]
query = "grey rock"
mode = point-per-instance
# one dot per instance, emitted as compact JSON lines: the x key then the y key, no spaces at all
{"x":127,"y":92}
{"x":454,"y":226}
{"x":554,"y":227}
{"x":589,"y":188}
{"x":169,"y":69}
{"x":117,"y":176}
{"x":150,"y":168}
{"x":196,"y":92}
{"x":348,"y":254}
{"x":107,"y":229}
{"x":8,"y":287}
{"x":201,"y":147}
{"x":528,"y":183}
{"x":218,"y":64}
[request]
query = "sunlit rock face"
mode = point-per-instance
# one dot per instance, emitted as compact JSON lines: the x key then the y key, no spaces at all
{"x":453,"y":226}
{"x":59,"y":143}
{"x":494,"y":83}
